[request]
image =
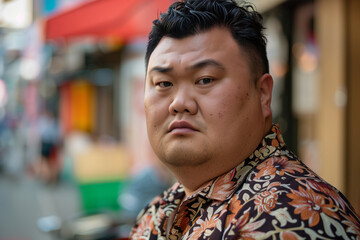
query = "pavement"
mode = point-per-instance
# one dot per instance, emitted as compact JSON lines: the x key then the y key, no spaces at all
{"x":24,"y":200}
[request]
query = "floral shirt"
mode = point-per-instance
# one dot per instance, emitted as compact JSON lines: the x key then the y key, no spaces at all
{"x":270,"y":195}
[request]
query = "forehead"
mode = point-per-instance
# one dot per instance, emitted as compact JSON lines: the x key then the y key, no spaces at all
{"x":217,"y":44}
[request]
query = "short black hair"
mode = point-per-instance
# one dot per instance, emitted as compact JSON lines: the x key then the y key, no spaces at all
{"x":189,"y":17}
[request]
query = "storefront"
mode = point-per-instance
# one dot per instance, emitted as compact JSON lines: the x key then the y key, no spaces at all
{"x":96,"y":63}
{"x":313,"y":62}
{"x":313,"y":68}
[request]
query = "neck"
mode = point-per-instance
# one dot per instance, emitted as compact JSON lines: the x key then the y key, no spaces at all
{"x":193,"y":178}
{"x":190,"y":178}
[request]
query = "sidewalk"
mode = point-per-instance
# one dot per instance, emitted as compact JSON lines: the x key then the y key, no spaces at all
{"x":23,"y":201}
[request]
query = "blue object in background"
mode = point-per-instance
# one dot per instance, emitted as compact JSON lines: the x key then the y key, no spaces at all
{"x":48,"y":6}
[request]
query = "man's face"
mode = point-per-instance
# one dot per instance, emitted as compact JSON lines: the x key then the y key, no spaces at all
{"x":202,"y":104}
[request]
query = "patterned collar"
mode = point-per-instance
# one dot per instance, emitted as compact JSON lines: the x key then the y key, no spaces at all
{"x":223,"y":187}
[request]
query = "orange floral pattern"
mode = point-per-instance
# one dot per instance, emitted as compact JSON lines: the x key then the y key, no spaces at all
{"x":270,"y":195}
{"x":266,"y":201}
{"x":309,"y":205}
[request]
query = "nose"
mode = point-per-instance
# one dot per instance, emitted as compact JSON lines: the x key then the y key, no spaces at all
{"x":183,"y":102}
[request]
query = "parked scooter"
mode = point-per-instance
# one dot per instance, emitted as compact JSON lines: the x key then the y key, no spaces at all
{"x":101,"y":226}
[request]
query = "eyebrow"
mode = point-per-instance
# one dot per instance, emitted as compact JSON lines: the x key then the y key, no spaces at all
{"x":205,"y":63}
{"x":161,"y":69}
{"x":198,"y":65}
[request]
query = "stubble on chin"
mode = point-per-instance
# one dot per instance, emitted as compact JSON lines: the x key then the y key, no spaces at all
{"x":184,"y":157}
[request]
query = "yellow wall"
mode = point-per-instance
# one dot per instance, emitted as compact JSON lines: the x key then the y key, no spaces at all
{"x":330,"y":126}
{"x":353,"y":113}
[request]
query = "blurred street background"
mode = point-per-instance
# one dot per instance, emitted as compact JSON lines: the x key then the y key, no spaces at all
{"x":74,"y":156}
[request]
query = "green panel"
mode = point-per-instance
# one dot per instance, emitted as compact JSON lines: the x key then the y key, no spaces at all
{"x":101,"y":196}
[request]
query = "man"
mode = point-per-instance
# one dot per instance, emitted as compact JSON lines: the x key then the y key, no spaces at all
{"x":207,"y":102}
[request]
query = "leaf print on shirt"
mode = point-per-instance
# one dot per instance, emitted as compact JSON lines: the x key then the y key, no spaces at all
{"x":183,"y":220}
{"x":223,"y":185}
{"x":144,"y":228}
{"x":279,"y":166}
{"x":350,"y":222}
{"x":325,"y":188}
{"x":247,"y":229}
{"x":234,"y":208}
{"x":205,"y":227}
{"x":279,"y":139}
{"x":309,"y":205}
{"x":288,"y":235}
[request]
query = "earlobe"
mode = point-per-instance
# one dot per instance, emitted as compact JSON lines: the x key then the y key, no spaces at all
{"x":264,"y":86}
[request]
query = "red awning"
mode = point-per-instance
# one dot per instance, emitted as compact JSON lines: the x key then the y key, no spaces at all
{"x":126,"y":19}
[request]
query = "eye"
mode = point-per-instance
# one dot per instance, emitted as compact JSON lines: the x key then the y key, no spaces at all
{"x":164,"y":84}
{"x":205,"y":81}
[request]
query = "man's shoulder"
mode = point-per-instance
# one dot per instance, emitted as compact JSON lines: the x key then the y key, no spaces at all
{"x":283,"y":171}
{"x":283,"y":192}
{"x":283,"y":166}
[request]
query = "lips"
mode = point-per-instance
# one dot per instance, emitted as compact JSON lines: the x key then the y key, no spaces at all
{"x":181,"y":126}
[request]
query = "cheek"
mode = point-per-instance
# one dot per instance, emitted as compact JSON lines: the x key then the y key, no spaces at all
{"x":228,"y":106}
{"x":231,"y":115}
{"x":156,"y":113}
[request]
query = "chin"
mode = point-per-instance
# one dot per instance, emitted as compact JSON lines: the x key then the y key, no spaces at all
{"x":182,"y":157}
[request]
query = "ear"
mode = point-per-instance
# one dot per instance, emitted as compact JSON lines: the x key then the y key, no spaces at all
{"x":264,"y":86}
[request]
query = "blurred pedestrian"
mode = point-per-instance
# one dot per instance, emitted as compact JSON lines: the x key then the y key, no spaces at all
{"x":49,"y":166}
